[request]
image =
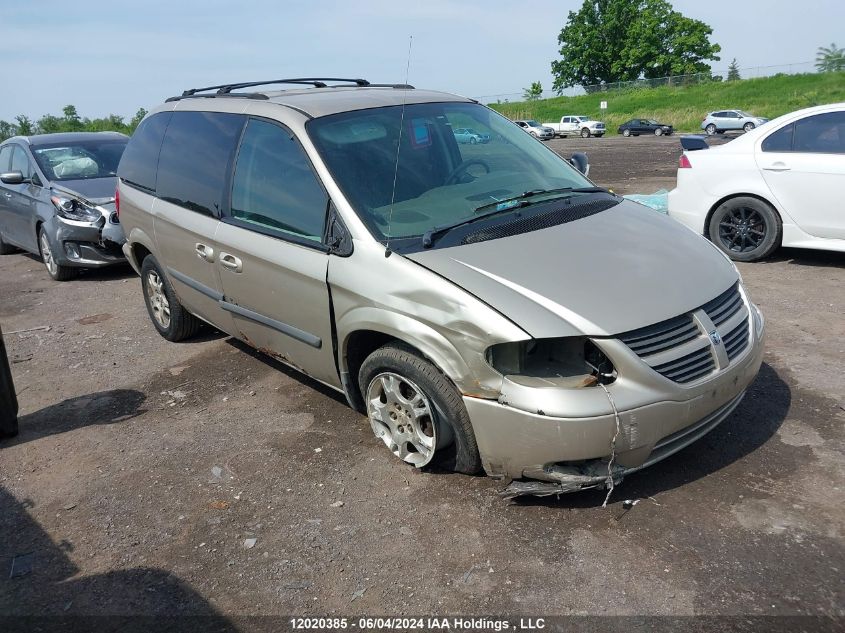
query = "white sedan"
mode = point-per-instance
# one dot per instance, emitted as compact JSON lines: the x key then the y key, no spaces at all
{"x":780,"y":184}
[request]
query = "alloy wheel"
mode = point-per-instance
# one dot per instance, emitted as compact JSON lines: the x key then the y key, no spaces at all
{"x":401,"y":416}
{"x":742,"y":230}
{"x":47,"y":255}
{"x":159,"y":304}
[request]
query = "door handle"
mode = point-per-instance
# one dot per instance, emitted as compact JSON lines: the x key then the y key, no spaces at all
{"x":778,"y":166}
{"x":231,"y":262}
{"x":204,"y":252}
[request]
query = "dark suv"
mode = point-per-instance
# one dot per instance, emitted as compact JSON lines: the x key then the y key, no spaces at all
{"x":57,"y":199}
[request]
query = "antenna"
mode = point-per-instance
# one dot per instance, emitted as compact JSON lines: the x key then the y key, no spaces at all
{"x":398,"y":146}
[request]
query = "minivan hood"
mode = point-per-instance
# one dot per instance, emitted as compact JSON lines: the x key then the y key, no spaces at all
{"x":96,"y":190}
{"x":609,"y":273}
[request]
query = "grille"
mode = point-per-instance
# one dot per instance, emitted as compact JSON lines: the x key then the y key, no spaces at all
{"x":562,"y":215}
{"x":681,"y":351}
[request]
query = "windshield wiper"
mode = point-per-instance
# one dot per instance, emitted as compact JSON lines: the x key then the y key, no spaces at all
{"x":509,"y":202}
{"x":502,"y":206}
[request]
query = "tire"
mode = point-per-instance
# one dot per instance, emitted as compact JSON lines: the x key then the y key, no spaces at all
{"x":534,"y":134}
{"x":585,"y":133}
{"x":748,"y":126}
{"x":472,"y":141}
{"x":711,"y":129}
{"x":658,"y":132}
{"x":5,"y":249}
{"x":446,"y":422}
{"x":169,"y":317}
{"x":56,"y":271}
{"x":762,"y":226}
{"x":626,"y":133}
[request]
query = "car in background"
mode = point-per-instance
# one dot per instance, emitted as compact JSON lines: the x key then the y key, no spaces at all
{"x":726,"y":120}
{"x":471,"y":136}
{"x":536,"y":130}
{"x":57,"y":194}
{"x":577,"y":125}
{"x":777,"y":185}
{"x":635,"y":127}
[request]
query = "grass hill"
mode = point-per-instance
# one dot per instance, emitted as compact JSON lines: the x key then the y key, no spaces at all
{"x":684,"y":107}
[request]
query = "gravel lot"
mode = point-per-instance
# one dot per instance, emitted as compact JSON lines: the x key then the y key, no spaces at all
{"x":143,"y":469}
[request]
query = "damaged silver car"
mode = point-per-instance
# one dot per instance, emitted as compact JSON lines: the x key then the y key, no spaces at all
{"x":57,"y":199}
{"x":486,"y":306}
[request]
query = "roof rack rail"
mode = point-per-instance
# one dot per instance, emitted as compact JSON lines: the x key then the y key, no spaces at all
{"x":225,"y":90}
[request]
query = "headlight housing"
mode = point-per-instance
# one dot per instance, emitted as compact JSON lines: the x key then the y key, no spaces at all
{"x":569,"y":362}
{"x":75,"y":209}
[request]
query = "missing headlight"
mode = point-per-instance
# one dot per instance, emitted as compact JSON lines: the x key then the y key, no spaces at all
{"x":568,"y":362}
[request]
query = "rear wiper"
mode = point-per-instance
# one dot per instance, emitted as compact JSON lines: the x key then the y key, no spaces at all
{"x":520,"y":200}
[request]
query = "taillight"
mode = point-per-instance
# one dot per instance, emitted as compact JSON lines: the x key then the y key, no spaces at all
{"x":684,"y":163}
{"x":117,"y":201}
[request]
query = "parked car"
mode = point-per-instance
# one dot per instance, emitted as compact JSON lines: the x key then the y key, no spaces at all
{"x":57,"y":199}
{"x":635,"y":127}
{"x":468,"y":135}
{"x":575,"y":125}
{"x":725,"y":120}
{"x":536,"y":130}
{"x":777,"y":185}
{"x":352,"y":238}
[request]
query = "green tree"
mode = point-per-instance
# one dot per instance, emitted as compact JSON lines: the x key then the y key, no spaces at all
{"x":622,"y":40}
{"x":534,"y":92}
{"x":733,"y":71}
{"x":133,"y":123}
{"x":72,"y":121}
{"x":25,"y":126}
{"x":7,"y":130}
{"x":830,"y":59}
{"x":50,"y":124}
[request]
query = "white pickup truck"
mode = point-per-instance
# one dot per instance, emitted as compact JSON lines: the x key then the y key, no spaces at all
{"x":574,"y":125}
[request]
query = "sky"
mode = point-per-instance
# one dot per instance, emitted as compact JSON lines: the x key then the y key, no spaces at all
{"x":114,"y":56}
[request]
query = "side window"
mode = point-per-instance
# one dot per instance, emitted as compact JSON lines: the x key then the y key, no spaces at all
{"x":822,"y":134}
{"x":140,"y":158}
{"x":193,"y":166}
{"x":718,"y":115}
{"x":780,"y":141}
{"x":5,"y":157}
{"x":20,"y":162}
{"x":566,"y":119}
{"x":274,"y":186}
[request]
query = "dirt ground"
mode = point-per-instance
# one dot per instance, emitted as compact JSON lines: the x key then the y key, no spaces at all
{"x":143,"y":468}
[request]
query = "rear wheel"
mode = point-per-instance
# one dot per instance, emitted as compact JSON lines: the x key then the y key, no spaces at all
{"x":746,"y":228}
{"x":55,"y":270}
{"x":748,"y":126}
{"x":710,"y":129}
{"x":626,"y":132}
{"x":416,"y":411}
{"x":169,"y":317}
{"x":585,"y":133}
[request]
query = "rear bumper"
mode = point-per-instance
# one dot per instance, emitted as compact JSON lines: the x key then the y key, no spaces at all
{"x":516,"y":444}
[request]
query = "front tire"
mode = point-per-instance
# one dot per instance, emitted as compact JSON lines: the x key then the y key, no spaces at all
{"x":658,"y":132}
{"x":626,"y":133}
{"x":748,"y":126}
{"x":585,"y":133}
{"x":169,"y":317}
{"x":710,"y":129}
{"x":54,"y":269}
{"x":416,"y":411}
{"x":746,"y":229}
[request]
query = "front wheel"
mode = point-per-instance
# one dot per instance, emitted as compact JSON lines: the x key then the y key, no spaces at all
{"x":416,"y":411}
{"x":585,"y":133}
{"x":746,"y":228}
{"x":710,"y":129}
{"x":626,"y":132}
{"x":748,"y":126}
{"x":658,"y":132}
{"x":54,"y":269}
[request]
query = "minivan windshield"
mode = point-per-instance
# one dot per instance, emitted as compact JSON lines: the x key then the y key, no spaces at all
{"x":440,"y":177}
{"x":80,"y":160}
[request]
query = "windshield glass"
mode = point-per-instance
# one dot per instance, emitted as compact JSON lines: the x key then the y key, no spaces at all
{"x":743,"y":114}
{"x":80,"y":160}
{"x":533,"y":123}
{"x":441,"y":177}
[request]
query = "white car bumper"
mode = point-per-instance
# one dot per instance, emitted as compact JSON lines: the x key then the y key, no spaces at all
{"x":689,"y":203}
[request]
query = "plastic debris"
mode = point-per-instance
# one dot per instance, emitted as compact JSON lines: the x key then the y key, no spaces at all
{"x":358,"y":594}
{"x":249,"y":543}
{"x":659,"y":200}
{"x":337,"y":504}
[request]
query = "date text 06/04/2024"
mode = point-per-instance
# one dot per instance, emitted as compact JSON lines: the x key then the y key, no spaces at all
{"x":421,"y":623}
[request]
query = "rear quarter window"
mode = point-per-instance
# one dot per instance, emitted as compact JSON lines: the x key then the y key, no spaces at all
{"x":195,"y":159}
{"x":140,"y":158}
{"x":780,"y":141}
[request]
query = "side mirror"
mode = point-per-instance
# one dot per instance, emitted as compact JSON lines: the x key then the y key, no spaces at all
{"x":581,"y":163}
{"x":12,"y":178}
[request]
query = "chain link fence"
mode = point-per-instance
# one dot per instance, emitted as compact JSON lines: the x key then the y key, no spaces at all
{"x":750,"y":72}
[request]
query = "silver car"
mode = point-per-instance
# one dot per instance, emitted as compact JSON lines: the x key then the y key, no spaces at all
{"x":726,"y":120}
{"x":536,"y":130}
{"x":485,"y":306}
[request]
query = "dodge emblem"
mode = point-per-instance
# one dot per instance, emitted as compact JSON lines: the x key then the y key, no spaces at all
{"x":714,"y":336}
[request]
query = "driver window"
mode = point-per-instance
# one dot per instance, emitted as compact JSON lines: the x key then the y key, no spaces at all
{"x":20,"y":162}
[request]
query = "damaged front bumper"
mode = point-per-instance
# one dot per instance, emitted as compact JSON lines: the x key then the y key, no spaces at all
{"x":540,"y":453}
{"x":87,"y":244}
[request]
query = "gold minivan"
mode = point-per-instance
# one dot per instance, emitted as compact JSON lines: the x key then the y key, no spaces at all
{"x":484,"y":304}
